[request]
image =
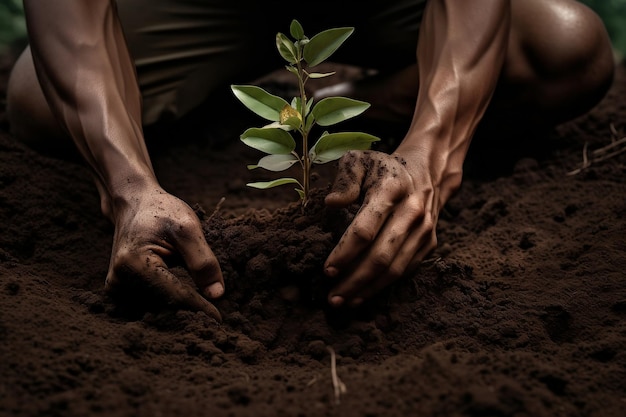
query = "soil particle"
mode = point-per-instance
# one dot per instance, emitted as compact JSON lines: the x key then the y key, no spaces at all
{"x":518,"y":313}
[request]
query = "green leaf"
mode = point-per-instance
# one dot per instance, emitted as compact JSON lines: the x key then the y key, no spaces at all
{"x":300,"y":193}
{"x":332,"y":146}
{"x":270,"y":184}
{"x":264,"y":104}
{"x":275,"y":162}
{"x":296,"y":30}
{"x":309,"y":103}
{"x":324,"y":44}
{"x":320,"y":74}
{"x":333,"y":110}
{"x":269,"y":140}
{"x":309,"y":122}
{"x":286,"y":48}
{"x":292,"y":69}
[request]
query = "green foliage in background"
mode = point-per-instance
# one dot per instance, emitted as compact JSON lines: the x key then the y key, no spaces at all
{"x":12,"y":25}
{"x":613,"y":13}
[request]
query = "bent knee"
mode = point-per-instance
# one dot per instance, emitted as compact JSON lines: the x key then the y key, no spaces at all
{"x":562,"y":49}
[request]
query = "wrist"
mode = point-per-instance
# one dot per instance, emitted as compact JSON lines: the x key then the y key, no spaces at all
{"x":439,"y":157}
{"x":126,"y":189}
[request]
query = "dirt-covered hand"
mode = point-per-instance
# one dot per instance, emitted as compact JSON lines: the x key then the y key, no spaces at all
{"x":393,"y":230}
{"x":151,"y":230}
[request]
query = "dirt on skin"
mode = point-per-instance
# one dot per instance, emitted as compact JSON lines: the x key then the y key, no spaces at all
{"x":521,"y":311}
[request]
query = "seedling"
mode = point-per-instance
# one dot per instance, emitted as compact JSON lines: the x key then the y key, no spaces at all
{"x":301,"y":114}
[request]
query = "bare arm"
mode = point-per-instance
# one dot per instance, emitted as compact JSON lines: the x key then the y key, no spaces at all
{"x":89,"y":81}
{"x":88,"y":78}
{"x":460,"y":54}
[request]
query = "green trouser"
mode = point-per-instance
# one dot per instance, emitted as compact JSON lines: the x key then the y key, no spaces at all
{"x":184,"y":49}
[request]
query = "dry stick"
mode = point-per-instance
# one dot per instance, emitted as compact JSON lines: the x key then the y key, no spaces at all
{"x":601,"y":154}
{"x":218,"y":207}
{"x":338,"y":386}
{"x":607,"y":148}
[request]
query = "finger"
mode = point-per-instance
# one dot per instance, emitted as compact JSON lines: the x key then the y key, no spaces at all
{"x":360,"y":234}
{"x":415,"y":248}
{"x":388,"y":256}
{"x":199,"y":258}
{"x":348,"y":180}
{"x":184,"y":295}
{"x":383,"y":195}
{"x":421,"y":241}
{"x":422,"y":254}
{"x":154,"y":278}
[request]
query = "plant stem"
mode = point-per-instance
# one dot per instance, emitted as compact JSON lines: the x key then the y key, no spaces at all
{"x":306,"y":161}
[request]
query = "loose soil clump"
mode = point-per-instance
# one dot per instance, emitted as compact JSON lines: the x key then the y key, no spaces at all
{"x":519,"y":312}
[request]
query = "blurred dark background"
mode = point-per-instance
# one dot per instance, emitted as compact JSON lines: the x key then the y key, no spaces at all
{"x":13,"y":28}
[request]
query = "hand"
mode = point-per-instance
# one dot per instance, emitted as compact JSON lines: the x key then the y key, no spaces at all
{"x":153,"y":228}
{"x":393,"y":230}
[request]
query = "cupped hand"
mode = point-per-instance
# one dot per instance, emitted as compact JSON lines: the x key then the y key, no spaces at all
{"x":393,"y":230}
{"x":154,"y":228}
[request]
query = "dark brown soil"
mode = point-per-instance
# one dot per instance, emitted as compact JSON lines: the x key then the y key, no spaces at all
{"x":520,"y":312}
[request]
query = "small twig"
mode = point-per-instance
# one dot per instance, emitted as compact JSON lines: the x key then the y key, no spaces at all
{"x":218,"y":207}
{"x":338,"y":386}
{"x":616,"y":147}
{"x":607,"y":148}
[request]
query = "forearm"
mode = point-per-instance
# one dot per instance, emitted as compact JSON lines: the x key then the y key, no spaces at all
{"x":460,"y":54}
{"x":89,"y":81}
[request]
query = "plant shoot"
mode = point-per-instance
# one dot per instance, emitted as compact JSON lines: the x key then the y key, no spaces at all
{"x":301,"y":114}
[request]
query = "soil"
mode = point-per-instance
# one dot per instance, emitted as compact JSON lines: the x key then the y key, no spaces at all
{"x":521,"y":311}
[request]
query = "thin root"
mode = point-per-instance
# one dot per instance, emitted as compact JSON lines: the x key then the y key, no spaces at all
{"x":338,"y":386}
{"x":616,"y":147}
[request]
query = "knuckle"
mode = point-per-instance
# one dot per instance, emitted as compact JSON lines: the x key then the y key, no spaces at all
{"x":363,"y":233}
{"x":415,"y":210}
{"x":207,"y":266}
{"x":124,"y":257}
{"x":394,"y":187}
{"x":185,"y":226}
{"x":381,"y":260}
{"x":429,"y":225}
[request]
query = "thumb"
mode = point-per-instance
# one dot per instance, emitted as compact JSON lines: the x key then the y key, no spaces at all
{"x":201,"y":263}
{"x":205,"y":270}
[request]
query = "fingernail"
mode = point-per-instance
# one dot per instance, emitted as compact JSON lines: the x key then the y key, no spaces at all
{"x":215,"y":290}
{"x":331,"y":271}
{"x":336,"y":301}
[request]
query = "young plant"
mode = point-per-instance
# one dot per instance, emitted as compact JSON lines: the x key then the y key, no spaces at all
{"x":301,"y":114}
